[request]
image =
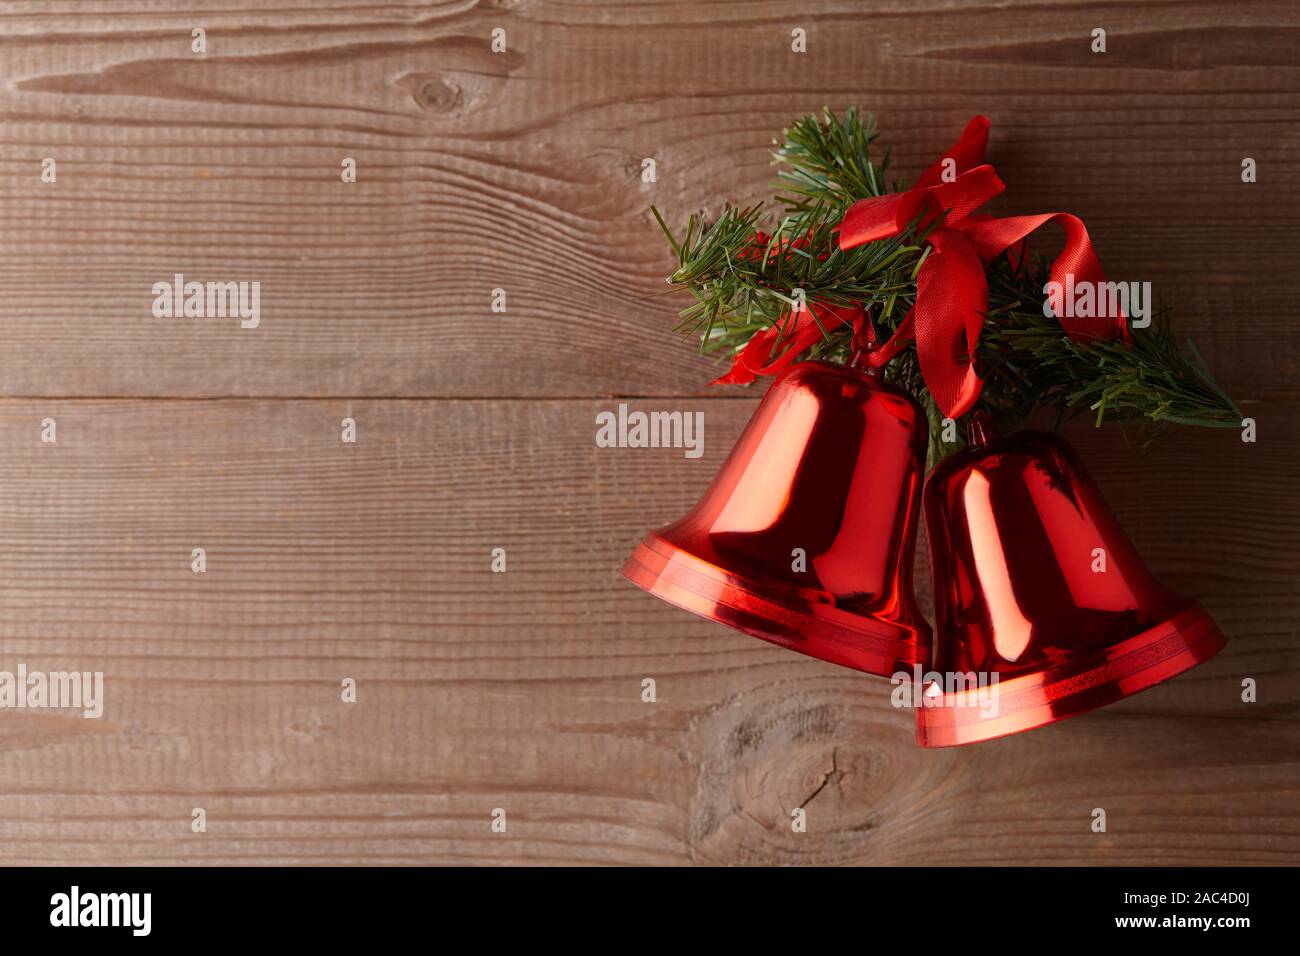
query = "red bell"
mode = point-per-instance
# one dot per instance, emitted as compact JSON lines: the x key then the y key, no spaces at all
{"x":1043,"y":608}
{"x":829,"y":468}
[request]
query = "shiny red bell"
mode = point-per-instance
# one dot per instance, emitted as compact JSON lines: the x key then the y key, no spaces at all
{"x":807,"y":534}
{"x":1043,"y":608}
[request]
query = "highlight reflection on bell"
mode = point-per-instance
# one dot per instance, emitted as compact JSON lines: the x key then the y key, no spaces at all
{"x":1037,"y":586}
{"x":830,"y":469}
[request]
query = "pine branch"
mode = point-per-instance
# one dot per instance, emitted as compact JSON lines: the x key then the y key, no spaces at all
{"x":830,"y":161}
{"x":747,"y":269}
{"x":743,"y":286}
{"x":1030,"y":364}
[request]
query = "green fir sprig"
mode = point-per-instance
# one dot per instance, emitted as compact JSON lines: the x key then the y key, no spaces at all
{"x":744,"y":269}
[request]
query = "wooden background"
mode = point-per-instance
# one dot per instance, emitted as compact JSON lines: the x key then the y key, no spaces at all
{"x":521,"y":170}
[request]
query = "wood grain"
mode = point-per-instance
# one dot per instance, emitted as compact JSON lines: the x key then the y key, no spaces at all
{"x":522,"y":690}
{"x":521,"y":170}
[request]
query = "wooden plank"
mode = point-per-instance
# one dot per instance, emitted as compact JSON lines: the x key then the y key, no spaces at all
{"x":521,"y":171}
{"x":522,"y":690}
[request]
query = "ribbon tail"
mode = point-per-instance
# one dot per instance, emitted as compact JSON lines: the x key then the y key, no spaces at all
{"x":793,"y":334}
{"x":951,"y":305}
{"x":906,"y":331}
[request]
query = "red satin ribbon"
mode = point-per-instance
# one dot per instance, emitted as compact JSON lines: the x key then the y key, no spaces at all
{"x":773,"y":350}
{"x":951,"y":286}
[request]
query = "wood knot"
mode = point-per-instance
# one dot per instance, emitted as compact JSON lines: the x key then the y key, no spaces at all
{"x":765,"y":755}
{"x":439,"y":95}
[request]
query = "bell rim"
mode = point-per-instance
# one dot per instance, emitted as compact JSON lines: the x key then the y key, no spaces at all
{"x":870,"y":645}
{"x":1172,"y":647}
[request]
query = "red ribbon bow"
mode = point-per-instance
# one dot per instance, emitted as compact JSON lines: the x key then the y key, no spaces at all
{"x":951,"y":286}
